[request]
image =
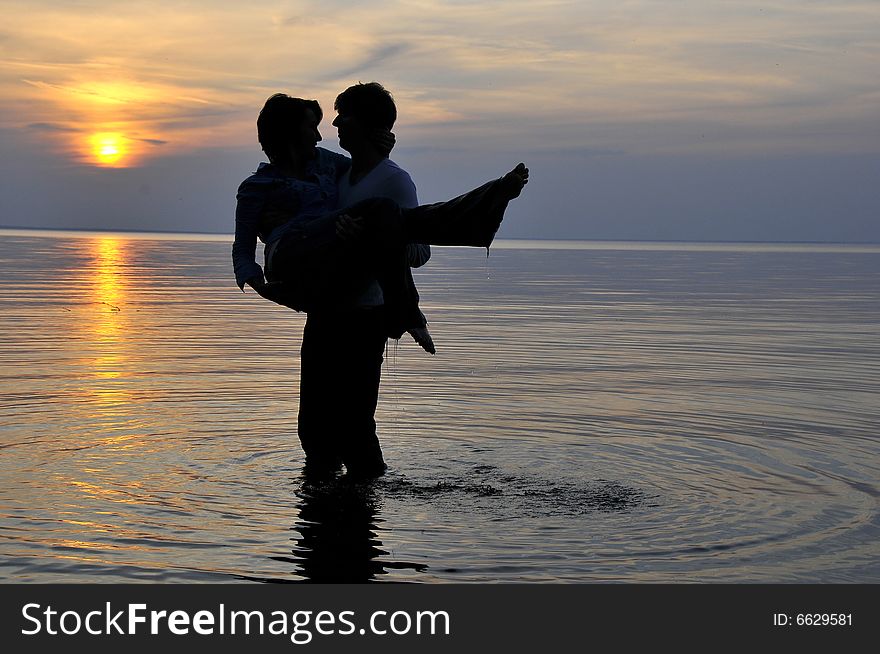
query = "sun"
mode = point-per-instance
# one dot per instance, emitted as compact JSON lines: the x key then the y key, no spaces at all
{"x":108,"y":148}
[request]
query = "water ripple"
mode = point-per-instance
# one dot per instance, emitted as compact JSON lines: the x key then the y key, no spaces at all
{"x":600,"y":414}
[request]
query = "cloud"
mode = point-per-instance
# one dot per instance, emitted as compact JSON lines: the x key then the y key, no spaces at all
{"x":639,"y":77}
{"x":379,"y":56}
{"x":52,"y":127}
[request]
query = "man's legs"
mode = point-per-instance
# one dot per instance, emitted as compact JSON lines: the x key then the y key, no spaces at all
{"x":362,"y":371}
{"x":317,"y":407}
{"x":339,"y":389}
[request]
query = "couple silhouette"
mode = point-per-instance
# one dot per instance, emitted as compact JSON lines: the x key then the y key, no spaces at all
{"x":341,"y":236}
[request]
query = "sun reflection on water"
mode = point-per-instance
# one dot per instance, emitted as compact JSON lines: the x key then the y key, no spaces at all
{"x":106,"y":323}
{"x":108,"y":285}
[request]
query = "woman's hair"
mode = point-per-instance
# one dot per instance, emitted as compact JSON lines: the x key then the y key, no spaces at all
{"x":278,"y":121}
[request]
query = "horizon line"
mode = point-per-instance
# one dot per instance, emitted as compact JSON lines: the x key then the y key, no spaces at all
{"x":221,"y":236}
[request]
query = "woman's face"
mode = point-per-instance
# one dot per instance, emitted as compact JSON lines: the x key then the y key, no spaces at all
{"x":306,"y":137}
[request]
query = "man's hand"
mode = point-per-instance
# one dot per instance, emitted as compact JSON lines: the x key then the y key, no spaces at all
{"x":349,"y":228}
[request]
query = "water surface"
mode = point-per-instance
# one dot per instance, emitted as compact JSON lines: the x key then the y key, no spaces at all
{"x":595,"y":412}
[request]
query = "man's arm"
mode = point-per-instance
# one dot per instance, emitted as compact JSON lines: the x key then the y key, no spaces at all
{"x":402,"y":190}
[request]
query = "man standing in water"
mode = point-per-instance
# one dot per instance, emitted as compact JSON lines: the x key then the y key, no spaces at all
{"x":343,"y":346}
{"x":322,"y":260}
{"x":365,"y":110}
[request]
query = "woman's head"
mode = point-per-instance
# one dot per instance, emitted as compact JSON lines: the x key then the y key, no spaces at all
{"x":287,"y":128}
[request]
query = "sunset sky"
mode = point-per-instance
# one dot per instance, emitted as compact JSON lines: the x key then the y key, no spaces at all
{"x":671,"y":120}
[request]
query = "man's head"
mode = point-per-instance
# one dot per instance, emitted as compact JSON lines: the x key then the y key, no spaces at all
{"x":287,"y":128}
{"x":364,"y":110}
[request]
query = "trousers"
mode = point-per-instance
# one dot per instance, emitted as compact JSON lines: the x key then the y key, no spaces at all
{"x":341,"y":362}
{"x":319,"y":269}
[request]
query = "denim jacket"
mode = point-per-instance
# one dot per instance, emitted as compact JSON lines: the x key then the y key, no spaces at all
{"x":302,"y":200}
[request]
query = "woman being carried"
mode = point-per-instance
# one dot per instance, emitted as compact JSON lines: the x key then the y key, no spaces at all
{"x":317,"y":255}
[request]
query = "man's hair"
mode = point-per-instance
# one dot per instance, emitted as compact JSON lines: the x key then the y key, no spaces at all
{"x":370,"y":103}
{"x":279,"y":119}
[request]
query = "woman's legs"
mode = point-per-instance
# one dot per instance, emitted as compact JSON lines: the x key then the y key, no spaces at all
{"x":330,"y":271}
{"x":470,"y":219}
{"x":329,"y":267}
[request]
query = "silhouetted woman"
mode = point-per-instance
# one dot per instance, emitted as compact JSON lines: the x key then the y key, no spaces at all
{"x":316,"y":253}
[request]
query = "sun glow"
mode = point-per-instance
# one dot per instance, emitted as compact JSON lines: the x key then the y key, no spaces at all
{"x":108,"y":148}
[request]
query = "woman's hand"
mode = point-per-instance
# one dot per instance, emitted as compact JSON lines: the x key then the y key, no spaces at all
{"x":384,"y":140}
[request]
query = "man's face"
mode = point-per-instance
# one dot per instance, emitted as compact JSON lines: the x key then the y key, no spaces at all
{"x":350,"y":129}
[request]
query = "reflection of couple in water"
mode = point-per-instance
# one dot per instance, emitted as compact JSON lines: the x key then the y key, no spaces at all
{"x":341,"y":236}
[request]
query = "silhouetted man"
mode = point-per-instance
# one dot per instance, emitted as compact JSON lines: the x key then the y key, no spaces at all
{"x":343,"y":347}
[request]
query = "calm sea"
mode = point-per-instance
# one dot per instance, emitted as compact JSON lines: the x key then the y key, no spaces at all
{"x":595,"y":412}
